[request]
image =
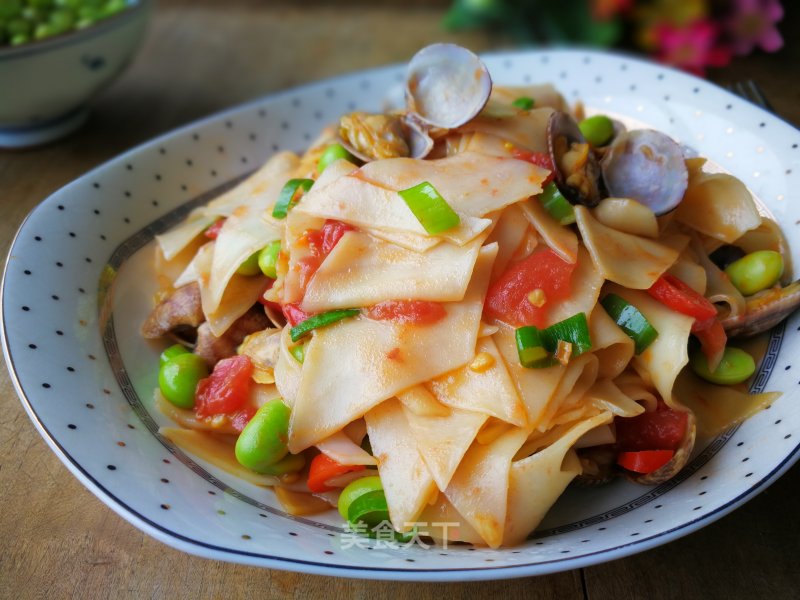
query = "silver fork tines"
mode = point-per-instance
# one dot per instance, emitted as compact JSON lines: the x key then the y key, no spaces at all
{"x":750,"y":91}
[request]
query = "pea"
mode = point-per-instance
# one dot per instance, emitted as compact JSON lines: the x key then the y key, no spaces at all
{"x":332,"y":153}
{"x":756,"y":271}
{"x":19,"y":39}
{"x":250,"y":266}
{"x":268,"y":259}
{"x":291,"y":463}
{"x":178,"y":378}
{"x":299,"y":352}
{"x":598,"y":130}
{"x":736,"y":366}
{"x":44,"y":30}
{"x":356,"y":488}
{"x":61,"y":20}
{"x":262,"y":442}
{"x":171,"y":353}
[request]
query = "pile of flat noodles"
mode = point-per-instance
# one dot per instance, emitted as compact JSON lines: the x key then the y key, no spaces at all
{"x":491,"y":450}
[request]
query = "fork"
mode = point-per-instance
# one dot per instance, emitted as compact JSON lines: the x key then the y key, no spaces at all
{"x":750,"y":91}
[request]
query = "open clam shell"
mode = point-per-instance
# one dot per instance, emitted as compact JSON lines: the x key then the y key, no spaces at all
{"x":763,"y":311}
{"x":446,"y":85}
{"x":682,"y":455}
{"x":576,"y":169}
{"x":647,"y":166}
{"x":599,"y":466}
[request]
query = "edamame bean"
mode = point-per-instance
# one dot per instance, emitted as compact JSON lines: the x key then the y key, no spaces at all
{"x":171,"y":353}
{"x":268,"y":259}
{"x":356,"y":488}
{"x":262,"y":442}
{"x":332,"y":153}
{"x":598,"y":130}
{"x":756,"y":271}
{"x":179,"y":376}
{"x":250,"y":266}
{"x":299,"y":352}
{"x":291,"y":463}
{"x":736,"y":366}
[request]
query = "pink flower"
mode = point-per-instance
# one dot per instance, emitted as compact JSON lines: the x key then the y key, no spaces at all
{"x":753,"y":24}
{"x":691,"y":47}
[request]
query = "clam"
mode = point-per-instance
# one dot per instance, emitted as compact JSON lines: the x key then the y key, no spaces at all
{"x":576,"y":169}
{"x":647,"y":166}
{"x":599,"y":466}
{"x":446,"y":85}
{"x":763,"y":311}
{"x":673,"y":467}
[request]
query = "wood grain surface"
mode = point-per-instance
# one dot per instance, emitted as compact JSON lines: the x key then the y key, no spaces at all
{"x":58,"y":541}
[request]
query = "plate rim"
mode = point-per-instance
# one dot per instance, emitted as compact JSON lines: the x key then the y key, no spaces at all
{"x":199,"y":548}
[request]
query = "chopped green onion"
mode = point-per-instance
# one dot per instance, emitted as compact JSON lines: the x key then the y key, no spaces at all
{"x":631,"y":321}
{"x":331,"y":154}
{"x":535,"y":346}
{"x":284,"y":203}
{"x":321,"y":320}
{"x":524,"y":103}
{"x":557,"y":205}
{"x":369,"y":508}
{"x":430,"y":208}
{"x":299,"y":352}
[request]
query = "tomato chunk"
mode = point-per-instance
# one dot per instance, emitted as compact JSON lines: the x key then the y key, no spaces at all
{"x":540,"y":159}
{"x":418,"y":312}
{"x":324,"y":468}
{"x":676,"y":295}
{"x":226,"y":389}
{"x":644,"y":461}
{"x":242,"y":417}
{"x":508,"y":297}
{"x":712,"y":338}
{"x":294,"y":314}
{"x":322,"y":241}
{"x":213,"y":231}
{"x":662,"y":429}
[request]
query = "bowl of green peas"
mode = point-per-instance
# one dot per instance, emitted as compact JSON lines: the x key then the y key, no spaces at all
{"x":55,"y":55}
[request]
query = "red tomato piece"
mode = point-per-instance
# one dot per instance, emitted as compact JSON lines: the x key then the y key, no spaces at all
{"x":662,"y":429}
{"x":323,"y":468}
{"x":213,"y":231}
{"x":418,"y":312}
{"x":332,"y":232}
{"x":540,"y":159}
{"x":676,"y":295}
{"x":294,"y":314}
{"x":242,"y":417}
{"x":507,"y":298}
{"x":712,"y":338}
{"x":645,"y":461}
{"x":226,"y":389}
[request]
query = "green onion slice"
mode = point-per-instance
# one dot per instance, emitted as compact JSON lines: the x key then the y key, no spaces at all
{"x":524,"y":103}
{"x":284,"y":203}
{"x":557,"y":205}
{"x":536,"y":346}
{"x":631,"y":321}
{"x":321,"y":320}
{"x":430,"y":208}
{"x":369,"y":508}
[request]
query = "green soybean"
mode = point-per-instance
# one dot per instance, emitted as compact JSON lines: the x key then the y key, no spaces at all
{"x":756,"y":271}
{"x":250,"y":266}
{"x":598,"y":130}
{"x":356,"y":488}
{"x":171,"y":353}
{"x":299,"y":352}
{"x":291,"y":463}
{"x":332,"y":153}
{"x":262,"y":442}
{"x":178,"y":378}
{"x":736,"y":366}
{"x":268,"y":259}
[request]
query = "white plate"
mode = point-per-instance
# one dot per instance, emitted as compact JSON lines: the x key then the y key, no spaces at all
{"x":86,"y":377}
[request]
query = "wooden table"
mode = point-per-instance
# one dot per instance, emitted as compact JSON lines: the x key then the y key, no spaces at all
{"x":58,"y":540}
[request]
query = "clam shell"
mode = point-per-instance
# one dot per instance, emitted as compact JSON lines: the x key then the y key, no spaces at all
{"x":446,"y":85}
{"x":647,"y":166}
{"x":763,"y":311}
{"x":561,"y":125}
{"x":682,"y":455}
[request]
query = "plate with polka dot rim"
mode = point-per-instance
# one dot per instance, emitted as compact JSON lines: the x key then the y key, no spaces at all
{"x":78,"y":283}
